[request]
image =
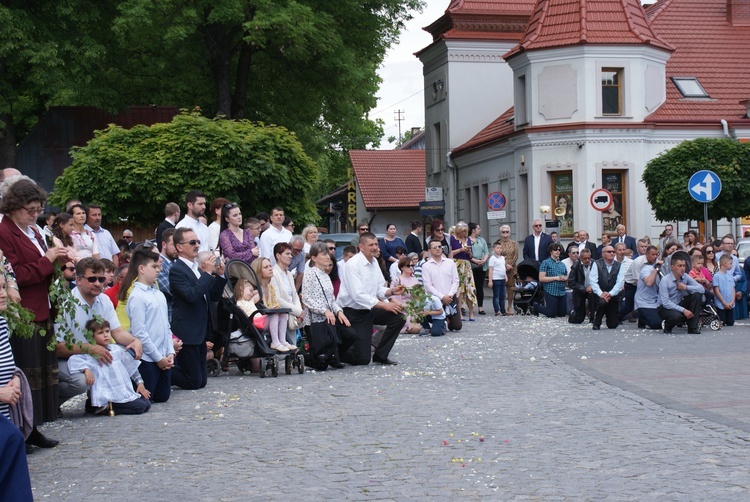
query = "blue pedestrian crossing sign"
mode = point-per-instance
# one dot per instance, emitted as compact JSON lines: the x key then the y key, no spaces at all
{"x":704,"y":186}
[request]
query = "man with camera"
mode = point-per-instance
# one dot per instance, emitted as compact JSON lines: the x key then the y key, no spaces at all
{"x":647,"y":290}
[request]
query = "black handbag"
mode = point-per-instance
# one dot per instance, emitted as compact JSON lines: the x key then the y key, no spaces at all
{"x":324,"y":339}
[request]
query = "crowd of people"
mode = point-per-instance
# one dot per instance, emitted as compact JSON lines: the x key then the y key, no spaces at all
{"x":660,"y":287}
{"x":129,"y":321}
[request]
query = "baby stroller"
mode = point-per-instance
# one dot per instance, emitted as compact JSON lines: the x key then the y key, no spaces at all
{"x":709,"y":317}
{"x":242,"y":340}
{"x":527,"y":292}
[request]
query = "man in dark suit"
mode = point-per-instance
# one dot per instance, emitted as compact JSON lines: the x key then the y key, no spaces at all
{"x":584,"y":243}
{"x":171,"y":217}
{"x":413,"y":241}
{"x":626,"y":239}
{"x":535,"y":245}
{"x":578,"y":281}
{"x":193,"y":286}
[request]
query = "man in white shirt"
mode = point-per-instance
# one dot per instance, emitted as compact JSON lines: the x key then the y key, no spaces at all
{"x":274,"y":234}
{"x":107,"y":246}
{"x":363,"y":296}
{"x":90,"y":280}
{"x":195,"y":203}
{"x":440,"y":278}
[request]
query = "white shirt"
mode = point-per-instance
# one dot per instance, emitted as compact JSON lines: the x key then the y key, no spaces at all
{"x":362,"y":284}
{"x":200,"y":230}
{"x":393,"y":270}
{"x":270,"y":238}
{"x":497,"y":264}
{"x":101,"y":306}
{"x":537,"y":239}
{"x":193,"y":266}
{"x":213,"y":235}
{"x":105,"y":242}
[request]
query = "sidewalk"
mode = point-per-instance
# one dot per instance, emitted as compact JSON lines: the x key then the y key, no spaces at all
{"x":506,"y":409}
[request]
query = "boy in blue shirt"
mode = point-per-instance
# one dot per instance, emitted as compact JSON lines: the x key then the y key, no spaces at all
{"x":724,"y":291}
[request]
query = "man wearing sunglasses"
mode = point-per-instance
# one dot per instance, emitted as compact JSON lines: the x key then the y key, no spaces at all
{"x":90,"y":282}
{"x":536,"y":245}
{"x":193,"y":285}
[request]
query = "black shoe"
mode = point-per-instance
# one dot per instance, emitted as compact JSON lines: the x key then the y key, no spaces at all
{"x":694,"y":332}
{"x":532,"y":311}
{"x":389,"y":362}
{"x":29,"y":449}
{"x":335,"y":363}
{"x":641,"y":325}
{"x":36,"y":438}
{"x":596,"y":327}
{"x":482,"y":312}
{"x":667,"y":331}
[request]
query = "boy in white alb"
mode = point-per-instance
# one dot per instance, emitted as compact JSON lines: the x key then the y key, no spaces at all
{"x":497,"y":271}
{"x":111,"y":383}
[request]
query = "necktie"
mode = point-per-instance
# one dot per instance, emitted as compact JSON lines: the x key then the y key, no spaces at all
{"x":39,"y":239}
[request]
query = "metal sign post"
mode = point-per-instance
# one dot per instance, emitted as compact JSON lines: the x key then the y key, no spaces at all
{"x":704,"y":186}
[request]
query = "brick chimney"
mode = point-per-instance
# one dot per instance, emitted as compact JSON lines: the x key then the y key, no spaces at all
{"x":738,"y":12}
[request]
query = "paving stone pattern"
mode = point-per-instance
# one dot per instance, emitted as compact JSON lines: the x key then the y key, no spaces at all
{"x":510,"y":408}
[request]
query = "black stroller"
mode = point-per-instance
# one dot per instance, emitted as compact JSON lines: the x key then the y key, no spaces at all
{"x":241,"y":339}
{"x":527,"y":291}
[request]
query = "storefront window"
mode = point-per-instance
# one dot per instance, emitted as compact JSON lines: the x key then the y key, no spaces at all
{"x":562,"y":202}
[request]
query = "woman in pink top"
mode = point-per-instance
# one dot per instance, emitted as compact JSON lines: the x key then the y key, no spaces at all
{"x":83,"y":239}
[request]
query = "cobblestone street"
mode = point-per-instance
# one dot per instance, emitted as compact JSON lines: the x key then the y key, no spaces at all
{"x":510,"y":408}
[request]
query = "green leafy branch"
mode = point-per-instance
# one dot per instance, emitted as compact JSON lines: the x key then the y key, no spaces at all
{"x":415,"y":306}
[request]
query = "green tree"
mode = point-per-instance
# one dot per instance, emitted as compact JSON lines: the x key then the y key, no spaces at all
{"x":50,"y":52}
{"x":666,"y":178}
{"x":134,"y":172}
{"x":307,"y":65}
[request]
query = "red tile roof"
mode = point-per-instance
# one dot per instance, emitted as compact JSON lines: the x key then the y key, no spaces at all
{"x":390,"y":179}
{"x":493,"y":7}
{"x":557,"y":23}
{"x":710,"y":48}
{"x":482,"y":20}
{"x":498,"y":128}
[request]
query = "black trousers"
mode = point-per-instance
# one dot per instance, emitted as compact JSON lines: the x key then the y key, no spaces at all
{"x":692,"y":302}
{"x":190,"y":371}
{"x":158,"y":382}
{"x":628,"y":303}
{"x":479,"y":277}
{"x":356,"y":341}
{"x":580,"y":302}
{"x":137,"y":407}
{"x":609,"y":309}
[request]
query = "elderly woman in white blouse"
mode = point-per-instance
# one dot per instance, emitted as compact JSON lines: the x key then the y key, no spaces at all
{"x":321,"y":308}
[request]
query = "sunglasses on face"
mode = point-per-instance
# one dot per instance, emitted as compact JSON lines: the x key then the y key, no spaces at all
{"x":364,"y":229}
{"x":95,"y":278}
{"x":70,"y":269}
{"x":192,"y":242}
{"x":331,"y":248}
